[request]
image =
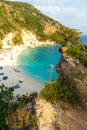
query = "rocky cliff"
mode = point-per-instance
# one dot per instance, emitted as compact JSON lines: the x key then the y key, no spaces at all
{"x":28,"y":39}
{"x":38,"y":114}
{"x":70,"y":67}
{"x":53,"y":117}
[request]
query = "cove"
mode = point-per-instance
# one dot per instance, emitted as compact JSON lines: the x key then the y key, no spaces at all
{"x":40,"y":63}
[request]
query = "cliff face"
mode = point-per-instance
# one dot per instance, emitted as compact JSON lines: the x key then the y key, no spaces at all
{"x":52,"y":117}
{"x":38,"y":114}
{"x":28,"y":39}
{"x":73,"y":69}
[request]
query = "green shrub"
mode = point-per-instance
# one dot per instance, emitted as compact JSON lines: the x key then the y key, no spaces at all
{"x":68,"y":91}
{"x":50,"y":92}
{"x":6,"y":107}
{"x":77,"y":52}
{"x":33,"y":121}
{"x":74,"y":51}
{"x":65,"y":91}
{"x":83,"y":60}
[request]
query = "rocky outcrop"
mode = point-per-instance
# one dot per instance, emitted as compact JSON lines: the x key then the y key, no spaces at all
{"x":7,"y":41}
{"x":30,"y":40}
{"x":72,"y":68}
{"x":27,"y":38}
{"x":52,"y":117}
{"x":35,"y":113}
{"x":47,"y":115}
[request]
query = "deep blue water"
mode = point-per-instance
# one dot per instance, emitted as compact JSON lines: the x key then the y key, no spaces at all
{"x":36,"y":63}
{"x":84,"y":39}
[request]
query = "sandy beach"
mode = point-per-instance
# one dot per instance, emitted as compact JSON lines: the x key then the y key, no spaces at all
{"x":8,"y":62}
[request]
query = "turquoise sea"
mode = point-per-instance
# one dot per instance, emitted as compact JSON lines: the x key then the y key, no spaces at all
{"x":40,"y":63}
{"x":37,"y":63}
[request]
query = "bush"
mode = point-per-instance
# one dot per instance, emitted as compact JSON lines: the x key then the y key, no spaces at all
{"x":6,"y":107}
{"x":69,"y":92}
{"x":74,"y":51}
{"x":50,"y":92}
{"x":65,"y":91}
{"x":77,"y":52}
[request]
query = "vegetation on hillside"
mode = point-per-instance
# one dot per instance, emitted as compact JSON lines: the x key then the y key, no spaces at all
{"x":15,"y":113}
{"x":20,"y":15}
{"x":17,"y":40}
{"x":6,"y":107}
{"x":78,"y":52}
{"x":17,"y":15}
{"x":65,"y":90}
{"x":66,"y":36}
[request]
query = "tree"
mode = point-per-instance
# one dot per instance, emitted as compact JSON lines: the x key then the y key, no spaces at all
{"x":6,"y":95}
{"x":66,"y":35}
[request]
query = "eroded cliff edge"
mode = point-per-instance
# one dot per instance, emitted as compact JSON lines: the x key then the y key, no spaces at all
{"x":72,"y":68}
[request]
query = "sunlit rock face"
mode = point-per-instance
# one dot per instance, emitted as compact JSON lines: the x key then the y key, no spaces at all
{"x":52,"y":117}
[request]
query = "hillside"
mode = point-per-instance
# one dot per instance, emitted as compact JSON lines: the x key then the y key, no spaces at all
{"x":15,"y":16}
{"x":21,"y":23}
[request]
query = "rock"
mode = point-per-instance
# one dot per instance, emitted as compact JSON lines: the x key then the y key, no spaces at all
{"x":52,"y":117}
{"x":77,"y":61}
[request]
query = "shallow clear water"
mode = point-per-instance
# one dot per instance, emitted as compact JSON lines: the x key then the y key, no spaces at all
{"x":36,"y":63}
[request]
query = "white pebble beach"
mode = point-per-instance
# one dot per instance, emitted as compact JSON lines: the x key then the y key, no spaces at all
{"x":10,"y":68}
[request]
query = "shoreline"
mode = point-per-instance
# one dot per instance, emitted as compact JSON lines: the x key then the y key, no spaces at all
{"x":14,"y":73}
